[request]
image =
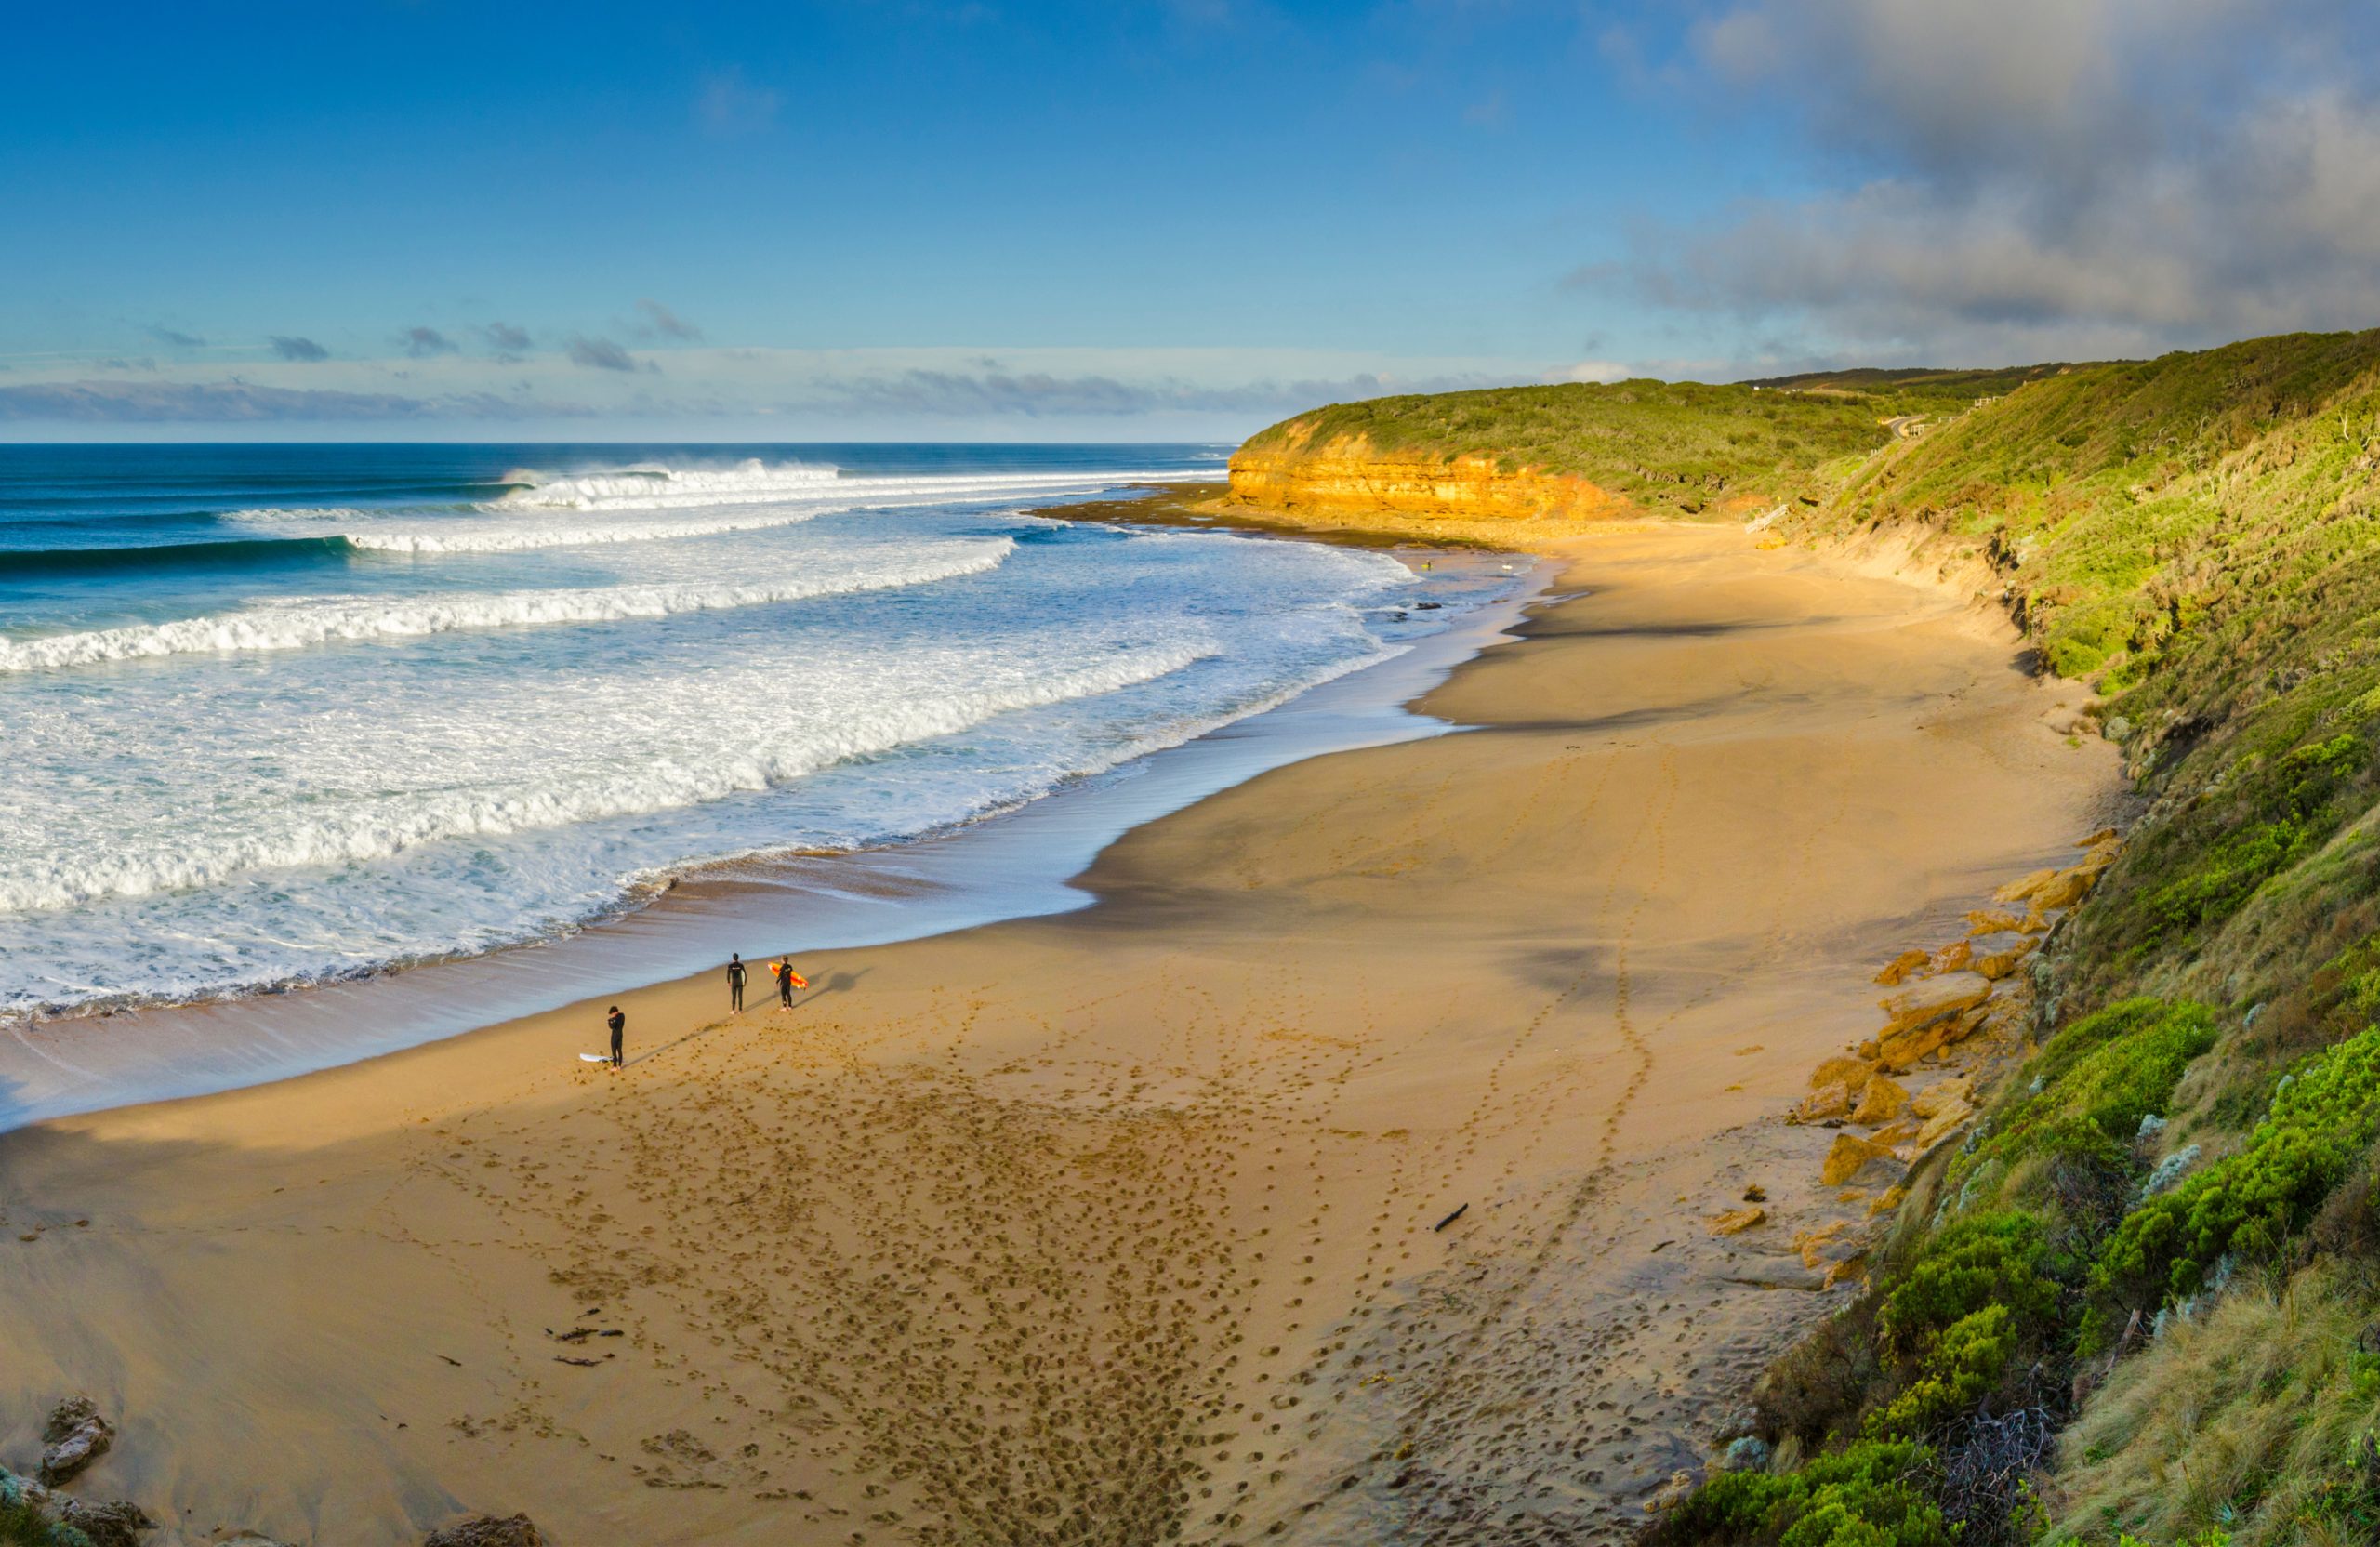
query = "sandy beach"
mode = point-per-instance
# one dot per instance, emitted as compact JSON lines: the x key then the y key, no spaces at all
{"x":1120,"y":1226}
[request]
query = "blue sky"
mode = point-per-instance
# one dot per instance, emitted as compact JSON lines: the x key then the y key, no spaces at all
{"x":1130,"y":220}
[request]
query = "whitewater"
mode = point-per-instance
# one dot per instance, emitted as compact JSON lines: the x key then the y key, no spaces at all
{"x":281,"y":715}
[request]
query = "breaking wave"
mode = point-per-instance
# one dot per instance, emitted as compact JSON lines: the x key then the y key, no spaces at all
{"x":306,"y":624}
{"x":354,"y":831}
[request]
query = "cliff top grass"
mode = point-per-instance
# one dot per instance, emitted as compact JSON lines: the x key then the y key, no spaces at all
{"x":1671,"y":447}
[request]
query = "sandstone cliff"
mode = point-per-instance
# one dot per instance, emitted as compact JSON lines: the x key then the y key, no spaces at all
{"x":1347,"y":476}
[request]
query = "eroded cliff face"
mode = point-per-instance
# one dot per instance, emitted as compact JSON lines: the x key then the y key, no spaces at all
{"x":1348,"y":476}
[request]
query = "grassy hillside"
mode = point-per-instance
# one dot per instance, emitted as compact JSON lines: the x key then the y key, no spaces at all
{"x":2142,"y":1303}
{"x":1672,"y":447}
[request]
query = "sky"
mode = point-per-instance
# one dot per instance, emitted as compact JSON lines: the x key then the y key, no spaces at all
{"x":995,"y":220}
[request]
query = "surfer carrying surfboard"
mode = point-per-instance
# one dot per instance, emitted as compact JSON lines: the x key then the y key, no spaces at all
{"x":788,"y":981}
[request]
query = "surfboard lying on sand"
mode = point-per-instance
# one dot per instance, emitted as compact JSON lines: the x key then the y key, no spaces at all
{"x":594,"y":1058}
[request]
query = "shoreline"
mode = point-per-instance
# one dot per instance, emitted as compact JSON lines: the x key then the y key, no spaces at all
{"x":1182,"y":1151}
{"x":1018,"y":862}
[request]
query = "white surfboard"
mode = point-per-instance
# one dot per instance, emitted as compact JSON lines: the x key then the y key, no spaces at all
{"x":594,"y":1058}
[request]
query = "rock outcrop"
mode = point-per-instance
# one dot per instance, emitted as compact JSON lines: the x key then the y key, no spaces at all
{"x":1349,"y":477}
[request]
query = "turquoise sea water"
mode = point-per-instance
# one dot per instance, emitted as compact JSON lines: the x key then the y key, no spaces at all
{"x":285,"y":714}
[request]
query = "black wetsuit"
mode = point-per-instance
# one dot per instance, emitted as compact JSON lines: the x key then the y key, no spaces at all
{"x":618,"y":1022}
{"x":784,"y":986}
{"x":734,"y":986}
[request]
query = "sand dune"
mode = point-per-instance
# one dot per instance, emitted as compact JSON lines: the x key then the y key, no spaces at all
{"x":1107,"y":1226}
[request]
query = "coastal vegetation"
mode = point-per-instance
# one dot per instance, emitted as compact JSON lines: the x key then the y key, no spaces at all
{"x":2139,"y":1305}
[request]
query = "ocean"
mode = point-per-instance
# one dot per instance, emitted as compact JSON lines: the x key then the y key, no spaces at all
{"x":285,"y":715}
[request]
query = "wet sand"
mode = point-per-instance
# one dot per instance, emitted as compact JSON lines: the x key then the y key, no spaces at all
{"x":1102,"y":1226}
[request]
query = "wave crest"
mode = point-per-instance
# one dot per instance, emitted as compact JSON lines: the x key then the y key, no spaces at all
{"x":306,"y":625}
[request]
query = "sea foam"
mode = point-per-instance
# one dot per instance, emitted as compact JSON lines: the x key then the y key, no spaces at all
{"x":330,"y":832}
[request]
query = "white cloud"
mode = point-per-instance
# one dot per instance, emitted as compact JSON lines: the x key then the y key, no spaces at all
{"x":1592,"y":370}
{"x":2043,"y":178}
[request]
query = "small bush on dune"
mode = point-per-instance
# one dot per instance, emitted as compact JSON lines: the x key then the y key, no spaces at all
{"x":1871,"y":1494}
{"x":2323,"y":1120}
{"x":1994,"y":1260}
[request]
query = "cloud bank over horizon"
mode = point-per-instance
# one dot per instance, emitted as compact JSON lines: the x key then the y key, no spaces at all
{"x":801,"y":393}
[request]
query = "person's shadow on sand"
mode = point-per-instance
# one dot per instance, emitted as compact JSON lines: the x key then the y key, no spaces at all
{"x":833,"y":983}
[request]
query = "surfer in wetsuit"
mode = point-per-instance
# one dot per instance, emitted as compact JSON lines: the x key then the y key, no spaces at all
{"x":618,"y":1022}
{"x":788,"y":981}
{"x":736,"y":981}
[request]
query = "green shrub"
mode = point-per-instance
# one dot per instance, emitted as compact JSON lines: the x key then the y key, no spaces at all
{"x":1871,"y":1494}
{"x":1960,"y":1366}
{"x":2322,"y":1119}
{"x":1972,"y":1263}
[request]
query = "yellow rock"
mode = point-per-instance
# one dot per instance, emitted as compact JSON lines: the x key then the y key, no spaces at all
{"x":1943,"y":1123}
{"x":1997,"y":955}
{"x":1941,"y":1095}
{"x":1968,"y":1022}
{"x":1933,"y":999}
{"x":1901,"y":966}
{"x":1952,"y":958}
{"x":1880,"y":1102}
{"x":1903,"y":1051}
{"x":1835,"y":1101}
{"x":1849,"y":1267}
{"x":1890,"y":1200}
{"x":2065,"y":889}
{"x":1850,"y":1156}
{"x":1735,"y":1222}
{"x":1840,"y":1070}
{"x":2104,"y":835}
{"x":1812,"y":1244}
{"x":2020,"y":890}
{"x":1992,"y":921}
{"x":1894,"y":1134}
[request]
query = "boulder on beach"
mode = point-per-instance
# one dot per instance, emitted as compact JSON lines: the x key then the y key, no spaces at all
{"x":1932,"y":999}
{"x":1842,"y":1069}
{"x":1834,"y":1101}
{"x":1945,"y":1121}
{"x":1902,"y":967}
{"x":1942,"y":1095}
{"x":487,"y":1530}
{"x":2022,"y":889}
{"x":1735,"y":1222}
{"x":1851,"y":1155}
{"x":115,"y":1524}
{"x":2065,"y":889}
{"x":1997,"y":955}
{"x":1880,"y":1102}
{"x":74,"y":1437}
